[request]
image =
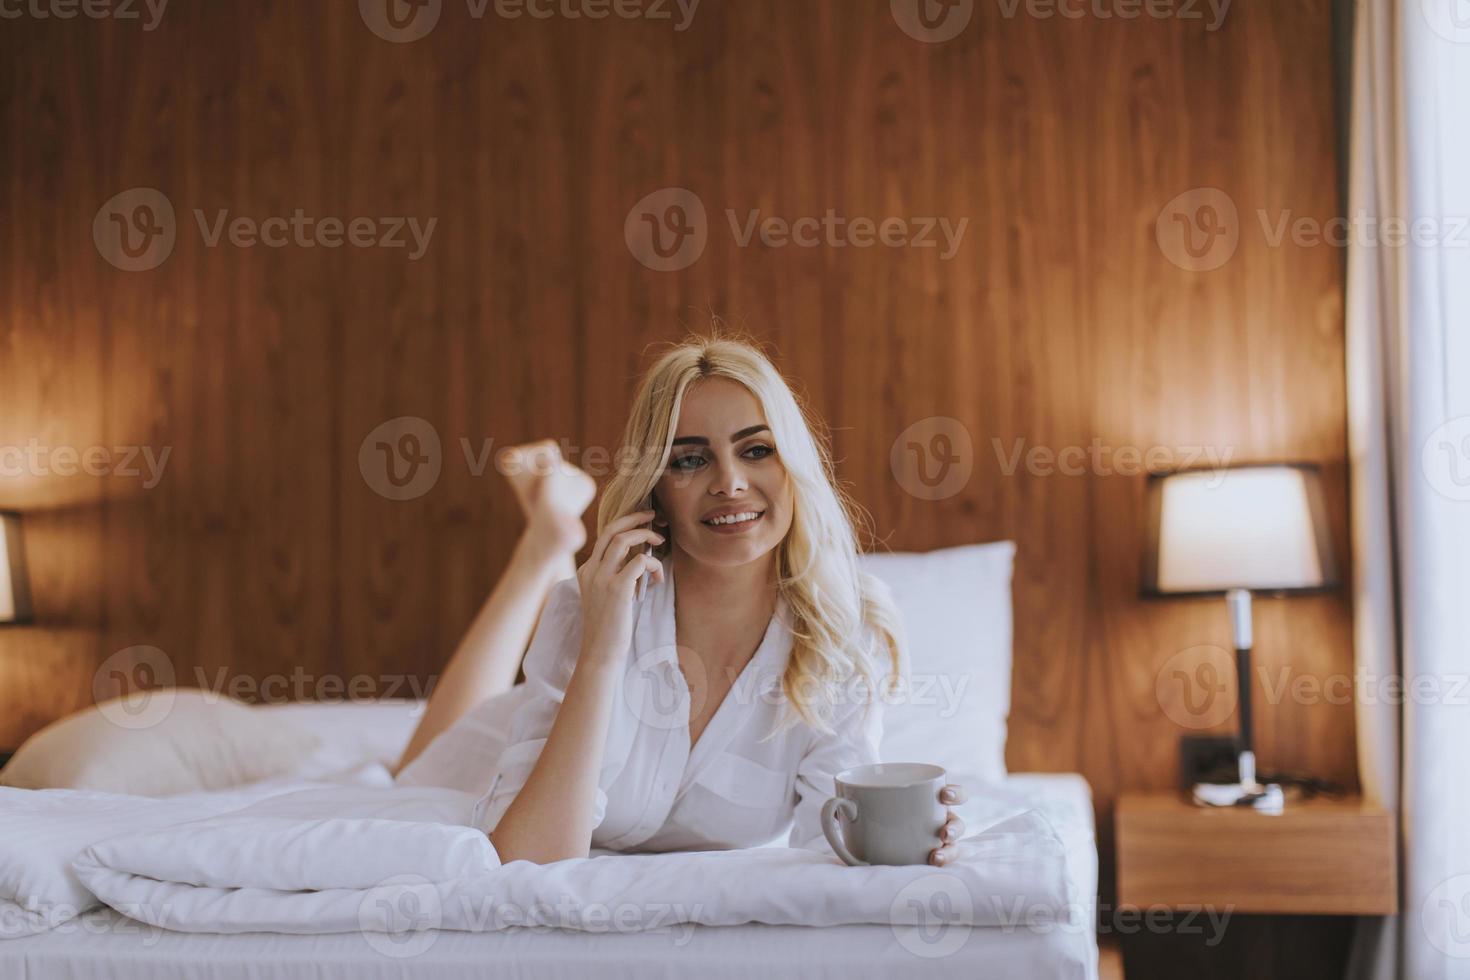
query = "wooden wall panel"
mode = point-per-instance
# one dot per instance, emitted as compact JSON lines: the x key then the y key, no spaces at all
{"x":52,"y":382}
{"x":1058,"y":321}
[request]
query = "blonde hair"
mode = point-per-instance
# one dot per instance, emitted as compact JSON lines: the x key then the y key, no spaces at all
{"x":838,"y":611}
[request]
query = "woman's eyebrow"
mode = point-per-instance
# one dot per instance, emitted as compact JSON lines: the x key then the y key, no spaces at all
{"x":749,"y":430}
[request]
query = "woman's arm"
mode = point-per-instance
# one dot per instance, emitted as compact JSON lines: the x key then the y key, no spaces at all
{"x":554,"y":813}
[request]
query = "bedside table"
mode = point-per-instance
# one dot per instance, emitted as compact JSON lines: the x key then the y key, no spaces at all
{"x":1320,"y":857}
{"x":1228,"y":894}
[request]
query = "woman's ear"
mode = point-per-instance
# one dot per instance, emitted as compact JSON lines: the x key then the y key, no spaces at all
{"x":659,"y":520}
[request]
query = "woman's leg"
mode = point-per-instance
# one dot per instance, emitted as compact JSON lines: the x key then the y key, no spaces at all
{"x":553,"y":494}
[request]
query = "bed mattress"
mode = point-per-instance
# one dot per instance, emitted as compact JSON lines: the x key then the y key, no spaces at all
{"x":104,"y":945}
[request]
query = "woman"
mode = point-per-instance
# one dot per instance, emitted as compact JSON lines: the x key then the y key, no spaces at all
{"x":713,"y":710}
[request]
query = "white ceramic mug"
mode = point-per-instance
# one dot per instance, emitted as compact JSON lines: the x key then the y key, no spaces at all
{"x":886,"y":813}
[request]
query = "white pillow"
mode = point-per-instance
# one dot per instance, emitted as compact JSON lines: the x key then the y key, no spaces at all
{"x":956,"y":608}
{"x":353,"y":734}
{"x":159,"y":743}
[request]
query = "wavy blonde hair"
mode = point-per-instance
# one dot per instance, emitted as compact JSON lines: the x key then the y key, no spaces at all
{"x":838,"y":611}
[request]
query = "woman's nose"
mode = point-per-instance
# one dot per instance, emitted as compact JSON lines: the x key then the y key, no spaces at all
{"x":729,"y":480}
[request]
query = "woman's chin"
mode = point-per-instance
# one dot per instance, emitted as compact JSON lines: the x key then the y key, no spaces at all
{"x":732,"y":552}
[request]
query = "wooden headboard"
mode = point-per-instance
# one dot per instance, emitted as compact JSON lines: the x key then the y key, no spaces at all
{"x":261,"y":550}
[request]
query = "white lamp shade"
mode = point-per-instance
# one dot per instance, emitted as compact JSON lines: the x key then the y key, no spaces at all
{"x":15,"y":593}
{"x":1258,"y":528}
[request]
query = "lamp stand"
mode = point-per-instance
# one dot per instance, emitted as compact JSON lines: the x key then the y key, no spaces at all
{"x":1248,"y":791}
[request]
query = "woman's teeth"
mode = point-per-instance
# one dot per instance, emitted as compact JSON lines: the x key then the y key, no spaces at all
{"x":749,"y":515}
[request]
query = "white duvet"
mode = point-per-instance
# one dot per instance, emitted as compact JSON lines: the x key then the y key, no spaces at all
{"x":402,"y":859}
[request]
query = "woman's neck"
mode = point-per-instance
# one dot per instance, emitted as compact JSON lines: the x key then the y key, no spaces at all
{"x":733,"y":601}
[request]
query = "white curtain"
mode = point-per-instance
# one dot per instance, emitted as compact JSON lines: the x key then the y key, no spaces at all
{"x":1408,"y":362}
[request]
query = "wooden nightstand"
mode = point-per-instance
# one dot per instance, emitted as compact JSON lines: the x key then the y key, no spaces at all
{"x":1320,"y":857}
{"x":1276,"y":895}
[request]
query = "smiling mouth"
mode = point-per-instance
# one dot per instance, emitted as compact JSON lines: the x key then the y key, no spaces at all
{"x":734,"y":520}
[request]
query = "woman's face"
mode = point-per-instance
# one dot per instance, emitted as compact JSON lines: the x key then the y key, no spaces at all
{"x":725,"y":495}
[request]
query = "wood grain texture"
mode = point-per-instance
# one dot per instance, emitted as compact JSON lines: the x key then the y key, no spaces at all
{"x":265,"y":552}
{"x":1319,"y":857}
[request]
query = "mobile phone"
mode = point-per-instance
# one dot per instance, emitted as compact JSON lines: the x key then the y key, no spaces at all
{"x":647,"y":550}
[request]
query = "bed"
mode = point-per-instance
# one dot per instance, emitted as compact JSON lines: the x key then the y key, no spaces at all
{"x":732,"y":951}
{"x":361,"y":737}
{"x":1029,"y":887}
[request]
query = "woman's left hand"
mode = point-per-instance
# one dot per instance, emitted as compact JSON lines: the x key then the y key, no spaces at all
{"x":951,"y":794}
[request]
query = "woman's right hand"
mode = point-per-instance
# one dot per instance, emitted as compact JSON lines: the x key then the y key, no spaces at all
{"x":608,"y":579}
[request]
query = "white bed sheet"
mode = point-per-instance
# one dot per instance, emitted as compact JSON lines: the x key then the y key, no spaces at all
{"x":104,"y":945}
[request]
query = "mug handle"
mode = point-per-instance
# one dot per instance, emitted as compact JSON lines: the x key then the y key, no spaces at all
{"x":830,"y":813}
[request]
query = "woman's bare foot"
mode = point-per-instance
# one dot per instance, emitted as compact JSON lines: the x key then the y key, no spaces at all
{"x":553,"y":494}
{"x":523,"y":465}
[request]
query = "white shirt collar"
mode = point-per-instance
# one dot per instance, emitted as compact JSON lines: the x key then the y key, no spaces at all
{"x":655,"y":640}
{"x":655,"y":633}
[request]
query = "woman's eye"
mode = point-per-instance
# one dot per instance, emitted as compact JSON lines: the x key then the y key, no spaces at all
{"x":684,"y":464}
{"x":760,"y":452}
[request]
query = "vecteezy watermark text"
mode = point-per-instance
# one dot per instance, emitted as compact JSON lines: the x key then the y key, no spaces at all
{"x":590,"y":9}
{"x":35,"y":459}
{"x":1097,"y":459}
{"x":402,"y":916}
{"x":935,"y":457}
{"x":136,"y":230}
{"x":309,"y":232}
{"x":1201,"y":229}
{"x":136,"y":687}
{"x":937,"y":21}
{"x":403,"y":458}
{"x":403,"y":21}
{"x":1197,"y":687}
{"x":1215,"y":10}
{"x":1364,"y":688}
{"x":1366,"y":230}
{"x":1208,"y":921}
{"x":835,"y":231}
{"x":668,"y":229}
{"x":144,"y":919}
{"x":90,"y":9}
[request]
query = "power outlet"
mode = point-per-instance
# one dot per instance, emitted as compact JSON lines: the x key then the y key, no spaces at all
{"x":1208,"y":759}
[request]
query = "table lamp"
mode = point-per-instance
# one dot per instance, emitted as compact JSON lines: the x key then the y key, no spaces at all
{"x":15,"y":586}
{"x":1232,"y":532}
